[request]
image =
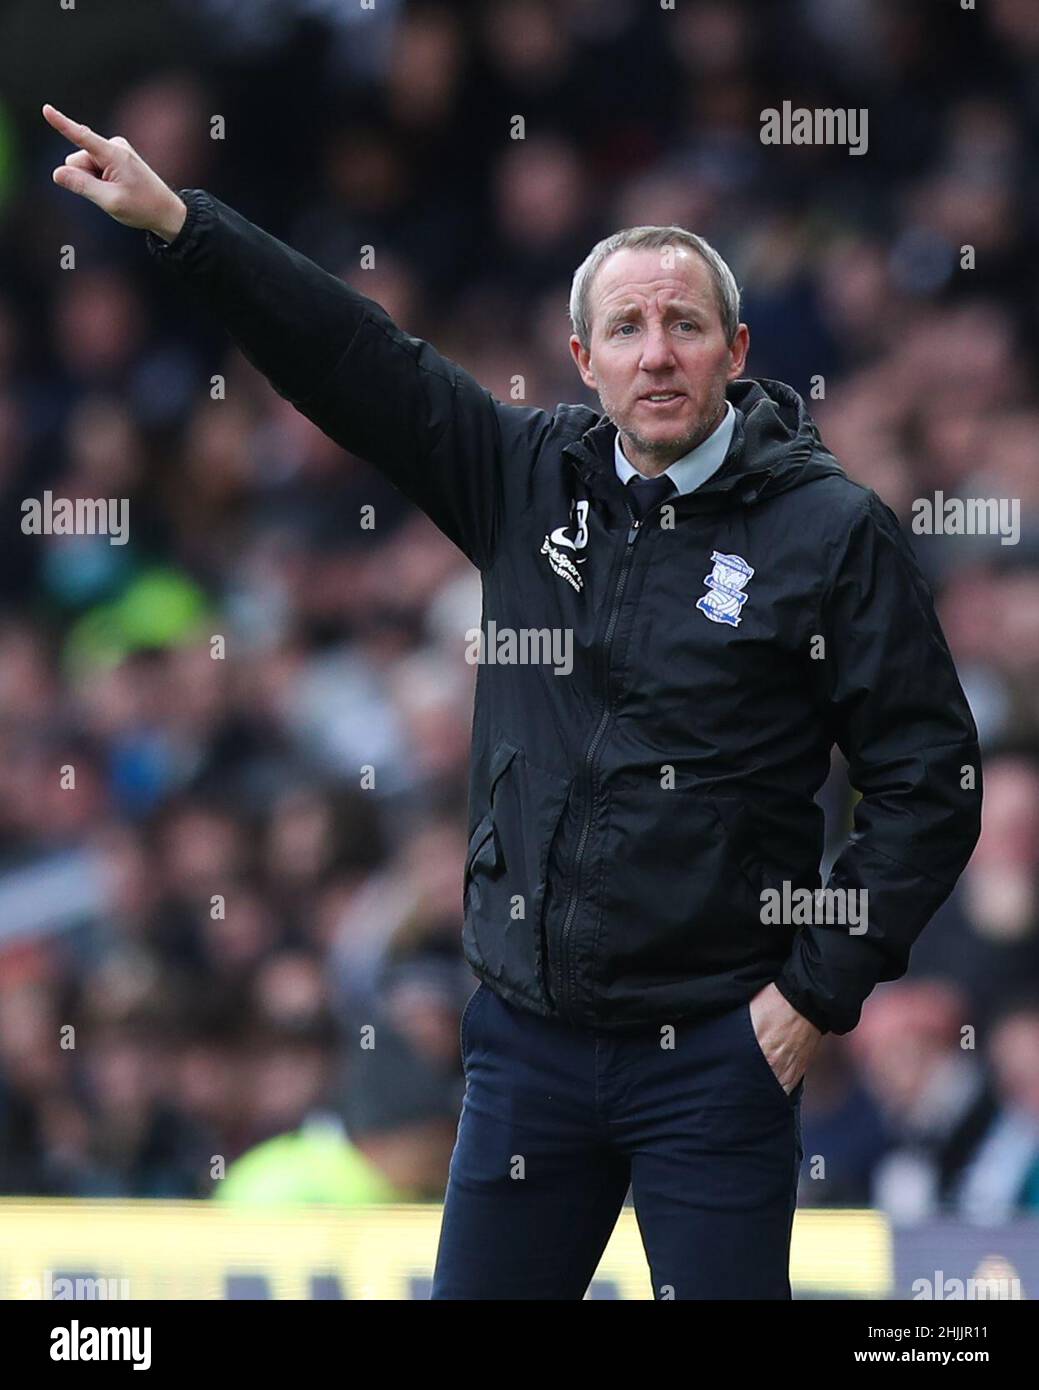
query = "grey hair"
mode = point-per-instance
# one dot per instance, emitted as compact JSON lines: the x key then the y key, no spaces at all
{"x":726,"y":291}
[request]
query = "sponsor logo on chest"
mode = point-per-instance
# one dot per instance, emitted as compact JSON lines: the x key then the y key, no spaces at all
{"x":557,"y":544}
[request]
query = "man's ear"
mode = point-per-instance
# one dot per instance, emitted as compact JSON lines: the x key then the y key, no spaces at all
{"x":738,"y":349}
{"x":582,"y":357}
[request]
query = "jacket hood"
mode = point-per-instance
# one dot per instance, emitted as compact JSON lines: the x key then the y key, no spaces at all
{"x":775,"y":445}
{"x":774,"y":436}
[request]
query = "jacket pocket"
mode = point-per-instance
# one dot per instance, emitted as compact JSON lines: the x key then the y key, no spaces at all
{"x":484,"y":844}
{"x":681,"y":890}
{"x":481,"y":842}
{"x":504,"y":886}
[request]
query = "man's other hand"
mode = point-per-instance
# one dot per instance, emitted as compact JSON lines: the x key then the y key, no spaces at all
{"x":786,"y":1037}
{"x":113,"y":175}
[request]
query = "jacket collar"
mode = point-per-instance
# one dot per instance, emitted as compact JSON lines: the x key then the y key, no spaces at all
{"x":593,"y":457}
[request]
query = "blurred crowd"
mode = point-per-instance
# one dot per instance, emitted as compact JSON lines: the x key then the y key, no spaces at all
{"x":233,"y":752}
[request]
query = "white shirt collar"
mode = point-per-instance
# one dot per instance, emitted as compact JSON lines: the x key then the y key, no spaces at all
{"x":694,"y":468}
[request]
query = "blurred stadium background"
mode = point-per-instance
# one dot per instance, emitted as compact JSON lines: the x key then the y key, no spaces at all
{"x":238,"y":1035}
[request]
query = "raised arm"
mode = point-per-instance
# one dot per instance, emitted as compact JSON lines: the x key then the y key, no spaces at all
{"x":335,"y":354}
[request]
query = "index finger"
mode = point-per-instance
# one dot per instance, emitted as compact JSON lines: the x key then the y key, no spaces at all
{"x":81,"y":135}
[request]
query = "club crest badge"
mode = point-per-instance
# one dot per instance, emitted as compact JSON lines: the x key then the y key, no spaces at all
{"x":724,"y":600}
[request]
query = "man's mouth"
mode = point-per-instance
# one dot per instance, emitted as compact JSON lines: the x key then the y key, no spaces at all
{"x":661,"y":398}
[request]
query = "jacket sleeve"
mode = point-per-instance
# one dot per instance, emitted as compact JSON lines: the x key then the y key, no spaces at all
{"x":901,"y":719}
{"x":341,"y":360}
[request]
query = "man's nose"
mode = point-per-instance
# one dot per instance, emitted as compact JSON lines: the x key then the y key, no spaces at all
{"x":656,"y":350}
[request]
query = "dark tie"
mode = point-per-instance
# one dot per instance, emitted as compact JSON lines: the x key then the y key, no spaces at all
{"x":645,"y":493}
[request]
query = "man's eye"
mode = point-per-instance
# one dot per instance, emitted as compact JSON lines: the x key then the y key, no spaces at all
{"x":685,"y":323}
{"x":623,"y":328}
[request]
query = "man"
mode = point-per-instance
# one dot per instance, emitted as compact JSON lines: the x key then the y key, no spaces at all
{"x":737,"y":606}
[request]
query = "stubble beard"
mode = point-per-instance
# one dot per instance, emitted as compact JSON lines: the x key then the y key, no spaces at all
{"x":666,"y":451}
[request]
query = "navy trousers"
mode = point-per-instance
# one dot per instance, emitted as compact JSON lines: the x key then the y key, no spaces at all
{"x":558,"y":1122}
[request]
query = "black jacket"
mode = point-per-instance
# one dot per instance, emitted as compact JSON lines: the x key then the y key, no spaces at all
{"x":626,"y":817}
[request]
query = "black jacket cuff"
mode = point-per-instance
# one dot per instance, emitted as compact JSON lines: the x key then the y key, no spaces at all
{"x":200,"y":216}
{"x":805,"y":1005}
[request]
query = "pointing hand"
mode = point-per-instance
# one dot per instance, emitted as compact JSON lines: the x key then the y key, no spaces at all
{"x":113,"y":175}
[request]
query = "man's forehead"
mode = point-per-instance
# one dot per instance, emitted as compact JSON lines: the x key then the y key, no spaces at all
{"x":650,"y":271}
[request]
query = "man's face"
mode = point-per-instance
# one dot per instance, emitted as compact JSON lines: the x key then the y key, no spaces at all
{"x":658,"y":357}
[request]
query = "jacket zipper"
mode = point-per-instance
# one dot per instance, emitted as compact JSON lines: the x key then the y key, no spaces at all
{"x":565,"y":963}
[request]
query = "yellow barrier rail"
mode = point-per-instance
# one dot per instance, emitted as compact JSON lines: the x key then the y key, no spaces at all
{"x":192,"y":1250}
